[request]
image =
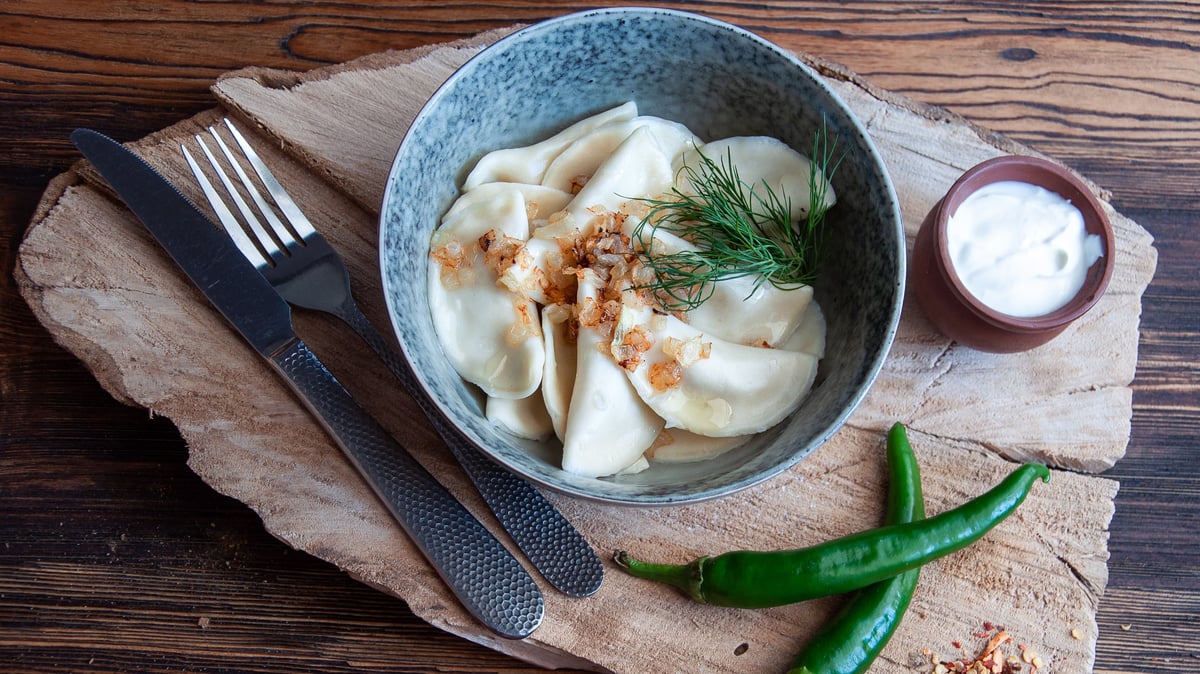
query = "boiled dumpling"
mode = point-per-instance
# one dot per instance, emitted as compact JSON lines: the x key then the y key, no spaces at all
{"x":675,"y":445}
{"x":540,"y":201}
{"x":558,"y":377}
{"x":523,"y":417}
{"x":740,"y":313}
{"x":617,"y":379}
{"x":638,"y":168}
{"x":809,"y":336}
{"x":491,"y":336}
{"x":578,"y":162}
{"x":762,"y":161}
{"x":608,"y":425}
{"x":528,"y":164}
{"x":707,"y":385}
{"x":737,"y":311}
{"x":635,"y":467}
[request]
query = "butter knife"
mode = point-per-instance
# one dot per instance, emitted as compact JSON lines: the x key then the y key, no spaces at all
{"x":491,"y":584}
{"x":321,"y":282}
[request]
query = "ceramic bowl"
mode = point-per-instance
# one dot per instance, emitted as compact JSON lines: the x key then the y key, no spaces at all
{"x":963,"y":317}
{"x":718,"y":80}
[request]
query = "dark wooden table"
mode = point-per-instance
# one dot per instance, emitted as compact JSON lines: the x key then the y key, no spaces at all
{"x":115,"y":557}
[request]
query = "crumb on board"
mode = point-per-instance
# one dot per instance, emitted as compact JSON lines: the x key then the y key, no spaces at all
{"x":994,"y":656}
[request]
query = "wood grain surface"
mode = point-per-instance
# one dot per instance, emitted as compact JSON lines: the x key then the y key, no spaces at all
{"x":329,"y":134}
{"x":117,"y":558}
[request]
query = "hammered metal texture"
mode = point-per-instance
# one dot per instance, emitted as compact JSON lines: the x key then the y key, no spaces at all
{"x":488,"y":580}
{"x":313,"y":276}
{"x":553,"y":545}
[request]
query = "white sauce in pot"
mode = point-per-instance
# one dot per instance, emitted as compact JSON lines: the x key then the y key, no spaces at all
{"x":1020,"y":249}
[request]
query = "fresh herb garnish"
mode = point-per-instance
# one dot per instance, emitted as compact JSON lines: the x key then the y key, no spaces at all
{"x":740,"y":230}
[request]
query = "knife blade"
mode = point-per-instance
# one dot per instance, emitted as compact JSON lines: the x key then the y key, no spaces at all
{"x":491,"y":584}
{"x":550,"y":542}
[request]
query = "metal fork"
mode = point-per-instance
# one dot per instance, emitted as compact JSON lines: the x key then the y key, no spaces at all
{"x":309,"y":273}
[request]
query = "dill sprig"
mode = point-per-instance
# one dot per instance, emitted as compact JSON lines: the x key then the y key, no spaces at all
{"x":739,"y":230}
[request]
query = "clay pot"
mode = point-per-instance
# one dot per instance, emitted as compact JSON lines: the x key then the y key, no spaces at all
{"x":960,"y":315}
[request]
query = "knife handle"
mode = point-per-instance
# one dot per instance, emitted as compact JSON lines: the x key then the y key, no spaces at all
{"x":487,"y":579}
{"x":555,"y":547}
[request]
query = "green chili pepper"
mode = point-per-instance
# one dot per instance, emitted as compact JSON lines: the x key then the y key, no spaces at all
{"x":853,"y":639}
{"x":751,"y":579}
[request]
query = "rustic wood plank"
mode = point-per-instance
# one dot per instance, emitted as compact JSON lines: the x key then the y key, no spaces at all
{"x":251,"y":440}
{"x":66,"y":65}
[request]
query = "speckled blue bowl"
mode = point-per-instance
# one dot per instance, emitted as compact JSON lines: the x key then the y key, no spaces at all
{"x":720,"y":81}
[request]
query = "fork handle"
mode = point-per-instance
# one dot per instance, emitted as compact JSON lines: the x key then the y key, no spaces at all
{"x":554,"y":546}
{"x":485,"y":576}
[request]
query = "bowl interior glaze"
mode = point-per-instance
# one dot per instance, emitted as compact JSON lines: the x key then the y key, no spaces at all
{"x":718,"y":80}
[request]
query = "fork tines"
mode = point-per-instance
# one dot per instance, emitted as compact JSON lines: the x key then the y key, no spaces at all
{"x":258,"y":242}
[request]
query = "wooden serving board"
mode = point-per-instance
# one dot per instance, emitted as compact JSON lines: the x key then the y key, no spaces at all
{"x":106,"y":292}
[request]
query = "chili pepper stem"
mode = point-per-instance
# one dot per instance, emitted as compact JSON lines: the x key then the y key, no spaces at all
{"x":686,"y":577}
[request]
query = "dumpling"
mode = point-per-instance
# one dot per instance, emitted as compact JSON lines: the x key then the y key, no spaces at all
{"x":579,"y":161}
{"x":523,"y":417}
{"x":558,"y":378}
{"x":540,"y":201}
{"x":491,"y":336}
{"x":809,"y":336}
{"x":528,"y":164}
{"x":635,"y":467}
{"x":738,"y":312}
{"x":608,"y":425}
{"x":638,"y":168}
{"x":675,"y":445}
{"x":707,"y":385}
{"x":762,"y":161}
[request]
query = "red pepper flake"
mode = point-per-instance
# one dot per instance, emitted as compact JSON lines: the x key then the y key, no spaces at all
{"x":992,"y":657}
{"x":995,"y":642}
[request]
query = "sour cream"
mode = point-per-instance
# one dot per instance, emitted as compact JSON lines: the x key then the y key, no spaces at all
{"x":1020,"y":249}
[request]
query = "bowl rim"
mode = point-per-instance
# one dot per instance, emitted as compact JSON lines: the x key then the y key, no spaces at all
{"x":1055,"y":178}
{"x":872,"y":367}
